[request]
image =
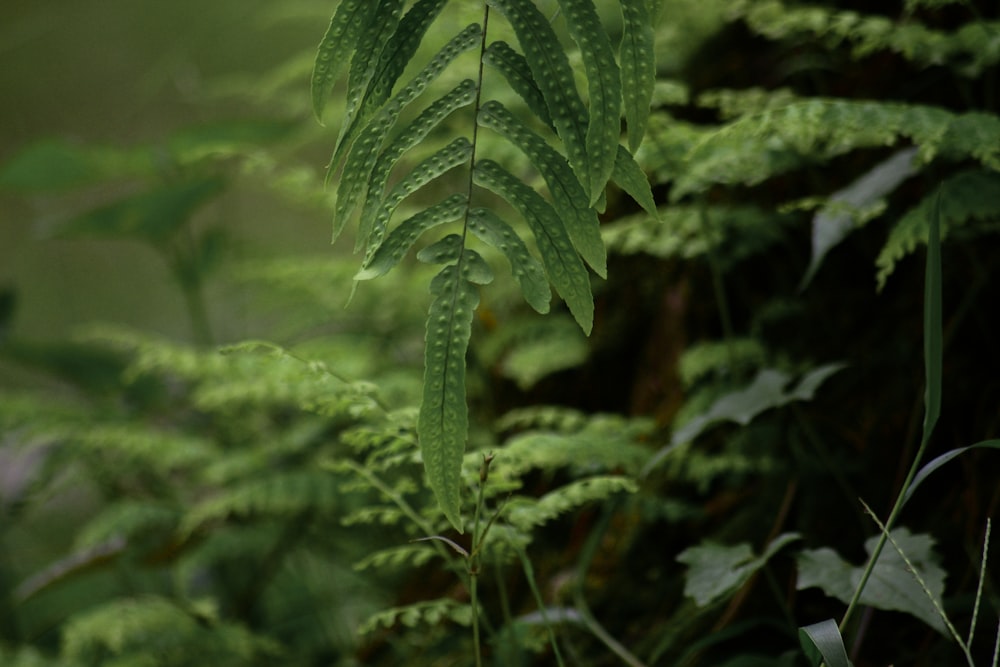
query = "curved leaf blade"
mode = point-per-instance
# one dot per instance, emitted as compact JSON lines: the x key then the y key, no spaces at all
{"x":630,"y":178}
{"x":939,"y":461}
{"x":340,"y":39}
{"x":527,"y":271}
{"x":514,"y":68}
{"x":825,"y":637}
{"x":604,"y":85}
{"x":568,"y":195}
{"x":563,"y":264}
{"x":638,"y":67}
{"x":443,"y":422}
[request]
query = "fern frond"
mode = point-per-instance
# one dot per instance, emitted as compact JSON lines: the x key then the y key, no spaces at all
{"x":338,"y":42}
{"x":568,"y":195}
{"x":629,"y":176}
{"x":563,"y":264}
{"x":489,"y":228}
{"x":406,"y":556}
{"x":528,"y":349}
{"x":420,"y":614}
{"x":526,"y":514}
{"x":363,"y":153}
{"x":638,"y":67}
{"x":515,"y":69}
{"x":969,"y":196}
{"x":126,"y":519}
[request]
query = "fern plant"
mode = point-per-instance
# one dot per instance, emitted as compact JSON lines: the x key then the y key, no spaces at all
{"x":570,"y":141}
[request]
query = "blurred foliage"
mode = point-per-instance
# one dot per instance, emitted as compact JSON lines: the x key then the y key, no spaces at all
{"x":680,"y":488}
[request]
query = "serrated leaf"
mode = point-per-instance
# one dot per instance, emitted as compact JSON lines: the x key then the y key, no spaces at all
{"x":552,"y":73}
{"x":638,"y":67}
{"x":630,"y":178}
{"x":402,"y":238}
{"x":716,"y":571}
{"x":150,"y":216}
{"x":398,"y":50}
{"x":891,"y":586}
{"x":527,"y":271}
{"x":457,"y":152}
{"x":363,"y":154}
{"x":563,"y":264}
{"x":340,"y":39}
{"x":463,"y":94}
{"x":443,"y":422}
{"x":516,"y":71}
{"x":604,"y":86}
{"x":568,"y":195}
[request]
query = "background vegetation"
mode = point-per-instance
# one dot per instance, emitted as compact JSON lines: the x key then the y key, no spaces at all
{"x":679,"y":488}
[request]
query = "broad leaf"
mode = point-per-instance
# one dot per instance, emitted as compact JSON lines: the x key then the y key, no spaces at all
{"x":716,"y":571}
{"x":824,"y":638}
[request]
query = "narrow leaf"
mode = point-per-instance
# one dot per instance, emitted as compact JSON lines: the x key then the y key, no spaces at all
{"x":528,"y":272}
{"x":568,"y":195}
{"x":516,"y":71}
{"x":604,"y":85}
{"x":449,"y":157}
{"x":638,"y":65}
{"x":563,"y":264}
{"x":825,"y":637}
{"x":402,"y":238}
{"x":363,"y":154}
{"x":443,"y":422}
{"x":340,"y":39}
{"x":551,"y":70}
{"x":407,"y":138}
{"x":630,"y":178}
{"x":939,"y":461}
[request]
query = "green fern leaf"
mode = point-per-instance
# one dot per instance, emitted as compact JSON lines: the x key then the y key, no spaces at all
{"x":382,"y":20}
{"x":604,"y":85}
{"x":402,"y":238}
{"x":568,"y":195}
{"x":638,"y":67}
{"x":398,"y":50}
{"x":528,"y":272}
{"x":421,"y":613}
{"x":516,"y":71}
{"x":410,"y":136}
{"x":340,"y":39}
{"x":362,"y":156}
{"x":443,"y":423}
{"x":629,"y":176}
{"x":563,"y":264}
{"x":552,"y":73}
{"x":526,"y":514}
{"x":972,"y":195}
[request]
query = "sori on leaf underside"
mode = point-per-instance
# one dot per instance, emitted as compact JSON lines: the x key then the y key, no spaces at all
{"x":572,"y":141}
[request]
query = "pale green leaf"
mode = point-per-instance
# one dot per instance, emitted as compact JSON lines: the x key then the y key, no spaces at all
{"x":429,"y":613}
{"x":825,"y":638}
{"x":516,"y":71}
{"x":340,"y":39}
{"x":443,"y":422}
{"x":362,"y":157}
{"x":443,"y":251}
{"x":892,"y":585}
{"x":604,"y":86}
{"x":402,"y":238}
{"x":716,"y":571}
{"x":638,"y":67}
{"x":527,"y":271}
{"x":408,"y":137}
{"x":568,"y":195}
{"x":552,"y":73}
{"x":563,"y":264}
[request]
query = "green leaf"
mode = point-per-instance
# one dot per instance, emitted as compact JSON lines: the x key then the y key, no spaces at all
{"x":563,"y":264}
{"x":443,"y":422}
{"x":527,"y":271}
{"x":825,"y":638}
{"x":152,"y":216}
{"x":630,"y":177}
{"x":716,"y":571}
{"x":457,"y":152}
{"x":516,"y":71}
{"x":568,"y":195}
{"x":939,"y":461}
{"x":552,"y":73}
{"x":407,"y":138}
{"x":362,"y":157}
{"x":604,"y":85}
{"x":638,"y":67}
{"x":340,"y":39}
{"x":891,"y":587}
{"x":402,"y":238}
